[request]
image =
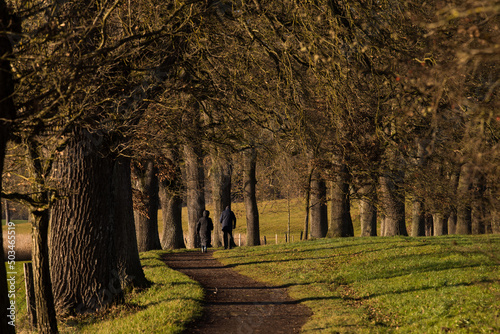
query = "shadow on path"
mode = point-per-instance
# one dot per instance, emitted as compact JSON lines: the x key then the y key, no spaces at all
{"x":235,"y":303}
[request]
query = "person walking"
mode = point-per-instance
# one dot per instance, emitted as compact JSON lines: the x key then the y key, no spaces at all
{"x":228,"y":221}
{"x":204,"y":228}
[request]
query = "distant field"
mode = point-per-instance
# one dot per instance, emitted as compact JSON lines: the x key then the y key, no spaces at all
{"x":273,"y":219}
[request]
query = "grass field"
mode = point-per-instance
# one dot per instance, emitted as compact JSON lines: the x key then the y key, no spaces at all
{"x":173,"y":301}
{"x":385,"y":285}
{"x":353,"y":285}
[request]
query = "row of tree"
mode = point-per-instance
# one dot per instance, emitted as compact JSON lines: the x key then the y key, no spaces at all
{"x":113,"y":107}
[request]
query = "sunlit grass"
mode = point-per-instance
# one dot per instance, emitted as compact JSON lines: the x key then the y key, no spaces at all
{"x":166,"y":307}
{"x":378,"y":285}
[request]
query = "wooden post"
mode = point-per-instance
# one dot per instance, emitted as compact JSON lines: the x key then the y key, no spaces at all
{"x":30,"y":294}
{"x":276,"y":236}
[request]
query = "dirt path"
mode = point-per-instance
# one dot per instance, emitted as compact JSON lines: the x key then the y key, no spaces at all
{"x":235,"y":303}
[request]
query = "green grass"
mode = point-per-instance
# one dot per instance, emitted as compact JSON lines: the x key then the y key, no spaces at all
{"x":166,"y":307}
{"x":385,"y":285}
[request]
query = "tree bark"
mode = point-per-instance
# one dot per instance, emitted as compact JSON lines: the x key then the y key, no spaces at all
{"x":341,"y":221}
{"x":250,"y":196}
{"x":464,"y":210}
{"x":418,"y":219}
{"x":393,"y":205}
{"x":81,"y":237}
{"x":195,"y":188}
{"x":452,"y":221}
{"x":145,"y":185}
{"x":319,"y":209}
{"x":7,"y":112}
{"x":308,"y":199}
{"x":221,"y":192}
{"x":171,"y":203}
{"x":44,"y":299}
{"x":7,"y":211}
{"x":368,"y":210}
{"x":129,"y":268}
{"x":478,"y":203}
{"x":440,"y":224}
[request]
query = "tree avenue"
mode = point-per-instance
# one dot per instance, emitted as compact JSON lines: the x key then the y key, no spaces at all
{"x":111,"y":110}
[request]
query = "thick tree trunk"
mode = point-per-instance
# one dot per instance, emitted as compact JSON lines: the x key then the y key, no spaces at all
{"x":478,"y":203}
{"x":44,"y":299}
{"x":440,"y":224}
{"x":319,"y":209}
{"x":418,"y":219}
{"x":495,"y":222}
{"x":464,"y":210}
{"x":452,"y":222}
{"x":129,"y":269}
{"x":145,"y":190}
{"x":7,"y":112}
{"x":171,"y":202}
{"x":81,"y":235}
{"x":340,"y":220}
{"x":452,"y":217}
{"x":221,"y":192}
{"x":393,"y":205}
{"x":367,"y":210}
{"x":429,"y":225}
{"x":250,"y":196}
{"x":171,"y":207}
{"x":195,"y":188}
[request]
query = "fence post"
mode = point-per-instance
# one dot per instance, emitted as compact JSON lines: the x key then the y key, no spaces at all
{"x":276,"y":237}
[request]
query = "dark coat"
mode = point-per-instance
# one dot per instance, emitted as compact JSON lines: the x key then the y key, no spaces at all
{"x":204,"y":228}
{"x":228,"y":220}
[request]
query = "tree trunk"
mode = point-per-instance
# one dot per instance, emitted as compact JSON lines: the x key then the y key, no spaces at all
{"x":250,"y":196}
{"x":478,"y":203}
{"x":393,"y":205}
{"x":319,"y":209}
{"x":452,"y":222}
{"x":429,"y":225}
{"x":7,"y":211}
{"x":221,"y":192}
{"x":7,"y":112}
{"x":452,"y":218}
{"x":81,"y":237}
{"x":495,"y":222}
{"x":308,"y":200}
{"x":129,"y":268}
{"x":341,"y":221}
{"x":440,"y":224}
{"x":464,"y":210}
{"x":44,"y":299}
{"x":368,"y":210}
{"x":195,"y":188}
{"x":171,"y":207}
{"x":145,"y":185}
{"x":171,"y":202}
{"x":418,"y":219}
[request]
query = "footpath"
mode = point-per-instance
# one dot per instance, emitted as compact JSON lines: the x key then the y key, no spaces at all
{"x":235,"y":303}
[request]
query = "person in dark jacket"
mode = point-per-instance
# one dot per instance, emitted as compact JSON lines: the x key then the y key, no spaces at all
{"x":228,"y":221}
{"x":204,"y":228}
